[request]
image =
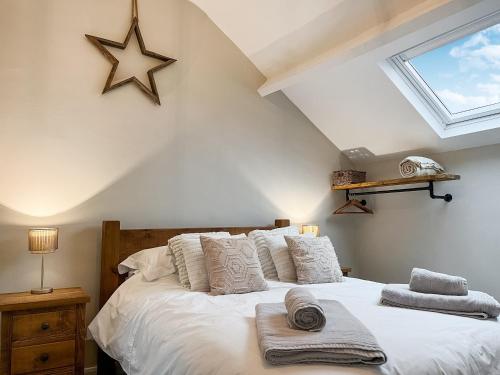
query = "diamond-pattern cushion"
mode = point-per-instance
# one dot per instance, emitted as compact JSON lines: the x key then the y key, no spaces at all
{"x":195,"y":262}
{"x":315,"y":259}
{"x":233,"y":265}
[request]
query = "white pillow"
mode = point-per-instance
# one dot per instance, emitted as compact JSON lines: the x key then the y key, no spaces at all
{"x":266,"y":261}
{"x":282,"y":258}
{"x":132,"y":273}
{"x":152,"y":263}
{"x":195,"y":262}
{"x":178,"y":244}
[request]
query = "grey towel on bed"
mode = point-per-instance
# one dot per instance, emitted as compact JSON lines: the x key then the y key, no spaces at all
{"x":343,"y":340}
{"x":475,"y":305}
{"x":425,"y":281}
{"x":304,"y":311}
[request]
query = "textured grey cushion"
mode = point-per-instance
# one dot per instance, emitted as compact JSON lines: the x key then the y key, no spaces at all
{"x":315,"y":259}
{"x":177,"y":245}
{"x":266,"y":261}
{"x":195,"y":265}
{"x":195,"y":262}
{"x":233,"y":266}
{"x":281,"y":257}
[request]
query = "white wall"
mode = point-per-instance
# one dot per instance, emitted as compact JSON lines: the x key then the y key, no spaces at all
{"x":360,"y":106}
{"x":411,"y":230}
{"x":215,"y":153}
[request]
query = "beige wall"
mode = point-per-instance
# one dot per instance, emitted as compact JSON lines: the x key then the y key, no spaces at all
{"x":214,"y":154}
{"x":411,"y":230}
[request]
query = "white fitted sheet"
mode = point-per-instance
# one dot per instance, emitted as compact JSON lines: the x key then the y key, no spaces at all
{"x":161,"y":328}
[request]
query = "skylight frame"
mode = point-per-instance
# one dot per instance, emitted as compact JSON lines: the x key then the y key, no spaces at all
{"x":402,"y":65}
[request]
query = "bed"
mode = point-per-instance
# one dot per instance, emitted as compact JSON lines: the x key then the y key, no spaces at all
{"x":161,"y":328}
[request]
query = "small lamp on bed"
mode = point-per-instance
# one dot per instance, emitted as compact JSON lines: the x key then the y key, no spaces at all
{"x":42,"y":241}
{"x":308,"y":228}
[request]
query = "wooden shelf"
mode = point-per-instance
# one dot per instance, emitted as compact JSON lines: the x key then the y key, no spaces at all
{"x":398,"y":181}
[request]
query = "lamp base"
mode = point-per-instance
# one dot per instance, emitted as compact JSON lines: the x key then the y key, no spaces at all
{"x":42,"y":290}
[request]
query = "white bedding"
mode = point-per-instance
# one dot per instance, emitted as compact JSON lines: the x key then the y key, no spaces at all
{"x":161,"y":328}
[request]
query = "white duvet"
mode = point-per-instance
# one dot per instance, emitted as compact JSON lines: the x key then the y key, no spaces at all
{"x":160,"y":328}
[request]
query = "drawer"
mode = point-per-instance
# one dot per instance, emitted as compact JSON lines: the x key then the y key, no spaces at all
{"x":56,"y":371}
{"x":42,"y":357}
{"x":46,"y":324}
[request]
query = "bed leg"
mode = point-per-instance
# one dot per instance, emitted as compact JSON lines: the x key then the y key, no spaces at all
{"x":105,"y":364}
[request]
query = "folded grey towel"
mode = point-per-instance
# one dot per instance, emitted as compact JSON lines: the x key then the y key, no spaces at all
{"x":343,"y":340}
{"x":425,"y":281}
{"x":475,"y":305}
{"x":304,"y":311}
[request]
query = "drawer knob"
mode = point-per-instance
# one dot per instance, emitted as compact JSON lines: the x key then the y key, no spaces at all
{"x":45,"y":326}
{"x":44,"y":357}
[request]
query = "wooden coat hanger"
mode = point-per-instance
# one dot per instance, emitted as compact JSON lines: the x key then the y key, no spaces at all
{"x":353,"y":203}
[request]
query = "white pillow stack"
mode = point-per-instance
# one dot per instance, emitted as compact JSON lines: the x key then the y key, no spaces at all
{"x":278,"y":259}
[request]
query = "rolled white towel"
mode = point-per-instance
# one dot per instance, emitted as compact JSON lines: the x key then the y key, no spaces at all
{"x":304,"y":310}
{"x":414,"y":166}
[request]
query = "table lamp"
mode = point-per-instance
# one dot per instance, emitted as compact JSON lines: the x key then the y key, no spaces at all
{"x":42,"y":241}
{"x":314,"y":229}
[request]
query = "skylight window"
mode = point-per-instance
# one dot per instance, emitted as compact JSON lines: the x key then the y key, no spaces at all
{"x":456,"y":76}
{"x":464,"y":74}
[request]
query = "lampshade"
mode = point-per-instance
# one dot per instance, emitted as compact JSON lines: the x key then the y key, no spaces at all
{"x":311,"y":229}
{"x":42,"y":240}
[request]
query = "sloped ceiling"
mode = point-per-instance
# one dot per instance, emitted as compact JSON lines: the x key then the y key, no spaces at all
{"x":279,"y":34}
{"x":325,"y":55}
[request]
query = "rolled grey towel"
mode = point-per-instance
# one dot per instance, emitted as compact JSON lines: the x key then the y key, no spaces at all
{"x":425,"y":281}
{"x":304,"y":311}
{"x":474,"y":305}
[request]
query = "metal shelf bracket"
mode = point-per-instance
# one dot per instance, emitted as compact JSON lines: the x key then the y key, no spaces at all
{"x":429,"y":188}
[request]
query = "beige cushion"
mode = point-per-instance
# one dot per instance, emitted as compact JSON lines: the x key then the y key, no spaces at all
{"x":233,"y":266}
{"x":177,"y":245}
{"x":195,"y":262}
{"x":281,"y":257}
{"x":266,"y":261}
{"x":315,"y":259}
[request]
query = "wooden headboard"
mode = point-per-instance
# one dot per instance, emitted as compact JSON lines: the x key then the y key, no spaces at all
{"x":118,"y":244}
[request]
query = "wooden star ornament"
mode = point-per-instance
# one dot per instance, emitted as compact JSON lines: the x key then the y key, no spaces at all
{"x":100,"y":44}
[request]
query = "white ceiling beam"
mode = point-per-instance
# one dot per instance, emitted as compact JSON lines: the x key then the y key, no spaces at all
{"x":363,"y":43}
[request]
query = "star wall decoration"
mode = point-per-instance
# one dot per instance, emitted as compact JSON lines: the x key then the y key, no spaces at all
{"x":100,"y":44}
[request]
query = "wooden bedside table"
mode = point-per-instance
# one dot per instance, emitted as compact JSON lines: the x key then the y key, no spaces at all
{"x":346,"y":271}
{"x":43,"y":334}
